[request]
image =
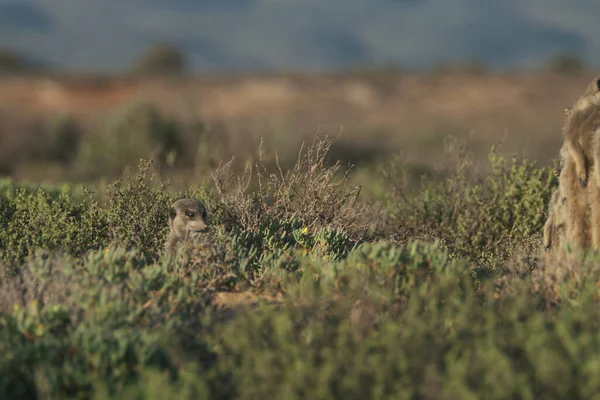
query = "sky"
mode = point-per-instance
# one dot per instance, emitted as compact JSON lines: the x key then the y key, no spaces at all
{"x":245,"y":35}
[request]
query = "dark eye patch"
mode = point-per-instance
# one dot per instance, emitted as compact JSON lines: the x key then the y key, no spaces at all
{"x":190,"y":214}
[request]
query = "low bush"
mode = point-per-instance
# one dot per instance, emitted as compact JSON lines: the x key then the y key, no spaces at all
{"x":451,"y":303}
{"x":68,"y":323}
{"x":65,"y":135}
{"x":39,"y":219}
{"x":137,"y":211}
{"x":139,"y":131}
{"x":482,"y":218}
{"x":406,"y":322}
{"x":315,"y":192}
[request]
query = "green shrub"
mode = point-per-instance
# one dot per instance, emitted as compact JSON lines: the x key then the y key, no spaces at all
{"x":137,"y":212}
{"x":54,"y":222}
{"x":64,"y":140}
{"x":12,"y":62}
{"x":72,"y":324}
{"x":275,"y":243}
{"x":90,"y":307}
{"x":567,"y":63}
{"x":411,"y":324}
{"x":480,"y":218}
{"x":136,"y":132}
{"x":384,"y":321}
{"x":77,"y":192}
{"x":156,"y":385}
{"x":161,"y":59}
{"x":71,"y":219}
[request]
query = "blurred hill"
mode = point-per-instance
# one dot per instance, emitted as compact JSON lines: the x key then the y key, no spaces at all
{"x":387,"y":110}
{"x":245,"y":35}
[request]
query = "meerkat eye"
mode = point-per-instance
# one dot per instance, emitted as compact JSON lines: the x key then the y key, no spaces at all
{"x":190,"y":214}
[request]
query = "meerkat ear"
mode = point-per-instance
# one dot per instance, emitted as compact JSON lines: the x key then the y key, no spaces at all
{"x":172,"y":213}
{"x":597,"y":83}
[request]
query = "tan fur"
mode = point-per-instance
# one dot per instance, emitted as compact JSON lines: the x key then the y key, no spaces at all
{"x":555,"y":229}
{"x":574,"y":210}
{"x":187,"y":219}
{"x":593,"y":201}
{"x":555,"y":237}
{"x":579,"y":180}
{"x":578,"y":210}
{"x":583,"y":119}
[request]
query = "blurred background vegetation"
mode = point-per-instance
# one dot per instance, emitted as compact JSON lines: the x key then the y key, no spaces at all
{"x":58,"y":127}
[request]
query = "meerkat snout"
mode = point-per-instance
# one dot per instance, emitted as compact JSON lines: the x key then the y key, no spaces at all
{"x":187,"y":219}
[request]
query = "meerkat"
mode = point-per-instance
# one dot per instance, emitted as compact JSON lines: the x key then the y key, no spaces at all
{"x":558,"y":216}
{"x":582,"y":122}
{"x":187,"y":219}
{"x":555,"y":227}
{"x":593,"y":197}
{"x":580,"y":157}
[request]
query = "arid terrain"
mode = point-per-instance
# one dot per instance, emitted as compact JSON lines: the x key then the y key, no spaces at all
{"x":320,"y":280}
{"x":377,"y":113}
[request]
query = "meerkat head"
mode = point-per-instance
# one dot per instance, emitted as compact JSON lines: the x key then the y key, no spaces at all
{"x":590,"y":98}
{"x":187,"y":218}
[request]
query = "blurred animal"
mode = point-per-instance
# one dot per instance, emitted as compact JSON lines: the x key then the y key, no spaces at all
{"x":580,"y":178}
{"x":583,"y":120}
{"x":188,"y":219}
{"x":555,"y":227}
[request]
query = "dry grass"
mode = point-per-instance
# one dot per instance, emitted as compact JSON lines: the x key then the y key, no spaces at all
{"x":315,"y":191}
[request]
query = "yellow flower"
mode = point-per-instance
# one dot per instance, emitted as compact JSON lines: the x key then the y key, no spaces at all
{"x":305,"y":230}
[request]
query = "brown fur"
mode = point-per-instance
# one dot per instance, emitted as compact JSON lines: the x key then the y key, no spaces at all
{"x":583,"y":119}
{"x":580,"y":157}
{"x":187,"y":219}
{"x":578,"y":227}
{"x":555,"y":227}
{"x":593,"y":202}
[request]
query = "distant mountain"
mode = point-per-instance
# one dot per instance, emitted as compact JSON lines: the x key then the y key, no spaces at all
{"x":273,"y":34}
{"x":19,"y":16}
{"x":203,"y":5}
